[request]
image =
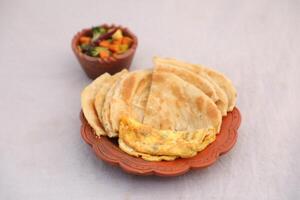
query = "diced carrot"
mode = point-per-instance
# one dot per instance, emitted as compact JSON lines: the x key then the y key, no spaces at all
{"x":117,"y":41}
{"x":114,"y":47}
{"x":127,"y":40}
{"x":84,"y":40}
{"x":104,"y":43}
{"x":104,"y":54}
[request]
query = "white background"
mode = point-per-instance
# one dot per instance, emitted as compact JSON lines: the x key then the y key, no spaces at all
{"x":255,"y":43}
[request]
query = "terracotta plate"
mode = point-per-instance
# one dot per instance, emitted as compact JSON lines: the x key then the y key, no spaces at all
{"x":108,"y":150}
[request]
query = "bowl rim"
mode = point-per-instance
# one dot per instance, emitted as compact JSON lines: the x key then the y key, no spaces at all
{"x":111,"y":59}
{"x":112,"y":154}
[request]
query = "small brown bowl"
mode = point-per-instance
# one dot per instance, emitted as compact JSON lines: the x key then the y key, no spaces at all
{"x":107,"y":149}
{"x":94,"y":67}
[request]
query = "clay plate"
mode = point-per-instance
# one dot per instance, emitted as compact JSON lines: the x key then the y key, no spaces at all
{"x":108,"y":150}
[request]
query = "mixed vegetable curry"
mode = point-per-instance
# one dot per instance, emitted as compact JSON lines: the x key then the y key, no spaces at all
{"x":104,"y":42}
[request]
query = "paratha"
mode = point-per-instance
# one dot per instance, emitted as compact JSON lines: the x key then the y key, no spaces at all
{"x":174,"y":110}
{"x":87,"y":103}
{"x":128,"y":97}
{"x":188,"y":76}
{"x":175,"y":104}
{"x":219,"y":80}
{"x":105,"y":112}
{"x":101,"y":93}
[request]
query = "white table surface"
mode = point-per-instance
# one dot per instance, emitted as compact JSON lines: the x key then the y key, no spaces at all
{"x":255,"y":43}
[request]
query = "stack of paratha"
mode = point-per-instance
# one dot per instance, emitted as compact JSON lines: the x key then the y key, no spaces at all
{"x":173,"y":110}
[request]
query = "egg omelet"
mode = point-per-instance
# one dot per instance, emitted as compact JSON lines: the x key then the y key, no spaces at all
{"x":147,"y":140}
{"x":145,"y":156}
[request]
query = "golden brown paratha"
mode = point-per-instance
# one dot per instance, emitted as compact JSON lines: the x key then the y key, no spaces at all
{"x":188,"y":76}
{"x":105,"y":112}
{"x":175,"y":104}
{"x":101,"y":93}
{"x":173,"y":111}
{"x":87,"y":102}
{"x":128,"y":97}
{"x":222,"y":84}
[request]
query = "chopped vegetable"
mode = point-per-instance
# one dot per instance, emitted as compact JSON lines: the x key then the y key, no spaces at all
{"x":114,"y":47}
{"x":103,"y":30}
{"x":104,"y":54}
{"x":117,"y":41}
{"x":104,"y":43}
{"x":96,"y":46}
{"x":123,"y":48}
{"x":84,"y":40}
{"x":117,"y":35}
{"x":97,"y":32}
{"x":127,"y":40}
{"x":85,"y":48}
{"x":96,"y":51}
